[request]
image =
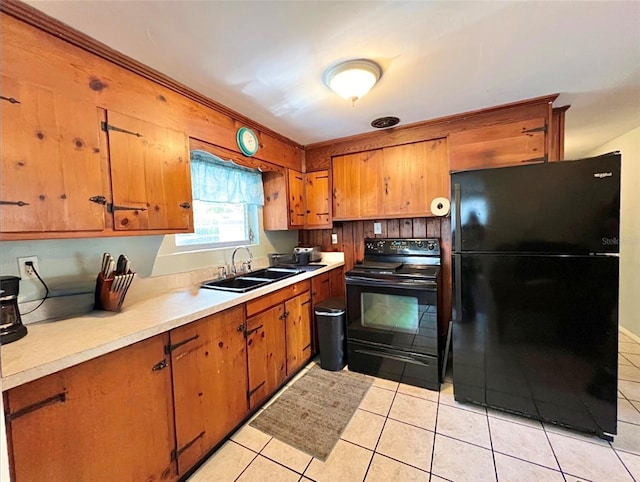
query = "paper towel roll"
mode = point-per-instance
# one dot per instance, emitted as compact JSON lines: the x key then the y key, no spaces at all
{"x":440,"y":206}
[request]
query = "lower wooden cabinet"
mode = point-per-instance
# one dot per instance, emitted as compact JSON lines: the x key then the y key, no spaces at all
{"x":297,"y":318}
{"x":266,"y":355}
{"x":110,"y":418}
{"x":209,"y":364}
{"x":336,"y":282}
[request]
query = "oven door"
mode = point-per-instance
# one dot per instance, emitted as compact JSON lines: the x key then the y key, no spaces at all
{"x":400,"y":314}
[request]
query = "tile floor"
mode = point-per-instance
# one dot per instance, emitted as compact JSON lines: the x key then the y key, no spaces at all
{"x":404,"y":433}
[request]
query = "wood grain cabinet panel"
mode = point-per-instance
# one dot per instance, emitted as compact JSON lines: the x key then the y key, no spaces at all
{"x":266,"y":355}
{"x":336,"y":282}
{"x":150,"y":175}
{"x":357,"y":185}
{"x":297,"y":316}
{"x":50,"y":161}
{"x":504,"y":144}
{"x":107,"y":419}
{"x":317,"y":197}
{"x":209,"y":362}
{"x":297,"y":209}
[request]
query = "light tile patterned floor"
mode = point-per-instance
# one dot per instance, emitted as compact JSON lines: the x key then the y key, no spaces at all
{"x":404,"y":433}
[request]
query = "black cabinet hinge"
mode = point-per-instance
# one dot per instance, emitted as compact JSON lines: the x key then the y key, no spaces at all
{"x":176,"y":453}
{"x":11,"y":100}
{"x":112,"y":207}
{"x":58,"y":398}
{"x":250,"y":332}
{"x":160,"y":365}
{"x":108,"y":127}
{"x":185,"y":205}
{"x":169,"y":348}
{"x":535,"y":129}
{"x":14,"y":203}
{"x":251,"y":392}
{"x":544,"y":158}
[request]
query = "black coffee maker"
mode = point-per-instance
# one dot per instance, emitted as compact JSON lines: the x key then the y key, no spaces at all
{"x":11,"y":327}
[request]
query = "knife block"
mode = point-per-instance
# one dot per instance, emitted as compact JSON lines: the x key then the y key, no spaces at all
{"x":105,"y":298}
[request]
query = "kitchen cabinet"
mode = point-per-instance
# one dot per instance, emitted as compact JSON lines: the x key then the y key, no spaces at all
{"x":297,"y":210}
{"x":209,"y":364}
{"x":268,"y":350}
{"x":336,"y":282}
{"x":110,"y":418}
{"x":150,"y":175}
{"x":297,"y":316}
{"x":505,"y":144}
{"x":317,"y":197}
{"x":51,"y":161}
{"x":413,"y":175}
{"x":398,"y":181}
{"x":266,"y":355}
{"x":357,"y":185}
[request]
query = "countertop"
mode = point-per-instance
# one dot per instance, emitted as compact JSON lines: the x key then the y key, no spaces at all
{"x":51,"y":346}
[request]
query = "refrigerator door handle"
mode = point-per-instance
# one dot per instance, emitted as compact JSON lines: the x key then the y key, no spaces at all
{"x":458,"y":226}
{"x":458,"y":286}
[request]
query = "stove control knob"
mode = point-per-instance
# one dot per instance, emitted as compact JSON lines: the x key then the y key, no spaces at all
{"x":418,"y":244}
{"x":431,"y":246}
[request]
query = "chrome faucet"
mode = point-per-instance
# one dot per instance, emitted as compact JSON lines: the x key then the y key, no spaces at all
{"x":233,"y":260}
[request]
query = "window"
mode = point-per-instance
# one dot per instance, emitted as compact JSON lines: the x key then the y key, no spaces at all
{"x":225,"y":203}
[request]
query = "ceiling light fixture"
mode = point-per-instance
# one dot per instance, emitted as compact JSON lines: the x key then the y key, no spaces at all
{"x":353,"y":79}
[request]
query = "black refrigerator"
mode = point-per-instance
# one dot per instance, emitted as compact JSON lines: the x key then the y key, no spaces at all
{"x":535,"y":290}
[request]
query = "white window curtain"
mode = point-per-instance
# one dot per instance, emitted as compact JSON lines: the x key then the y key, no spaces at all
{"x":216,"y":180}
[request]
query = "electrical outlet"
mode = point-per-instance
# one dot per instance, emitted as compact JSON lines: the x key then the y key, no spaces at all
{"x":334,"y":238}
{"x":26,"y":272}
{"x":377,"y":228}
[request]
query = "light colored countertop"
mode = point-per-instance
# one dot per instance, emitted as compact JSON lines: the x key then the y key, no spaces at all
{"x":52,"y":346}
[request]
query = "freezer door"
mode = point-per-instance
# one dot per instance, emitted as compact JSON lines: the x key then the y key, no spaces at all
{"x":537,"y":335}
{"x":570,"y":207}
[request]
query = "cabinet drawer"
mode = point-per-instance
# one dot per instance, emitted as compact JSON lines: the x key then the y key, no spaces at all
{"x":267,"y":301}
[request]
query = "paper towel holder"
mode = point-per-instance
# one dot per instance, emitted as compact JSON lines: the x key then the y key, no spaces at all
{"x":440,"y":206}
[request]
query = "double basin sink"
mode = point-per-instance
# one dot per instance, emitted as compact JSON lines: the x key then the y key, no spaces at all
{"x":256,"y":279}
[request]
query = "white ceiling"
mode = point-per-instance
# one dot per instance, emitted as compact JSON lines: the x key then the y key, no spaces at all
{"x":265,"y":59}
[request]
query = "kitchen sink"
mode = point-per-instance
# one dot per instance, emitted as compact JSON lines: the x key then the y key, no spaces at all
{"x":251,"y":280}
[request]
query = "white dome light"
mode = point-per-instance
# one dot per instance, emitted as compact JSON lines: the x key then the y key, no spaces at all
{"x":353,"y":79}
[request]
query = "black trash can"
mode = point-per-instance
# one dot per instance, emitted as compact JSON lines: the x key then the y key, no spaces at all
{"x":332,"y":336}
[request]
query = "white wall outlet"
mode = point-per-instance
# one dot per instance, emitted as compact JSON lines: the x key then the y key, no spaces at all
{"x":377,"y":228}
{"x":334,"y":238}
{"x":26,"y":272}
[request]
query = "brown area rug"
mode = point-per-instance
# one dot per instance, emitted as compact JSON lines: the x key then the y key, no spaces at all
{"x":312,"y":413}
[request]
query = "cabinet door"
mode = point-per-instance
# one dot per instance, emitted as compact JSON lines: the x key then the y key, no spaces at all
{"x":298,"y":321}
{"x":500,"y":145}
{"x":50,"y":161}
{"x":297,"y":209}
{"x":209,"y":363}
{"x":320,"y":291}
{"x":107,"y":419}
{"x":357,"y":185}
{"x":336,"y":282}
{"x":150,"y":175}
{"x":317,"y":199}
{"x":266,"y":358}
{"x":414,"y":174}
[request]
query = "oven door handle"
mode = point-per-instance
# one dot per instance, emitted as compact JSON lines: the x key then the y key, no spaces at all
{"x":411,"y":284}
{"x":405,"y":359}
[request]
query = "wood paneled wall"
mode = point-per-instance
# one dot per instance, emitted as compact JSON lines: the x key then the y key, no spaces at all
{"x":351,"y":236}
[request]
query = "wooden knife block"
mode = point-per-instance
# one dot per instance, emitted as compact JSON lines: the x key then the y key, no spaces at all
{"x":108,"y":300}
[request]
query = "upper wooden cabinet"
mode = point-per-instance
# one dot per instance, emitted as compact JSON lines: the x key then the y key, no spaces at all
{"x":294,"y":200}
{"x":392,"y":182}
{"x":357,"y":185}
{"x":110,"y":418}
{"x":504,"y":144}
{"x":317,"y":198}
{"x":150,"y":175}
{"x":209,"y":366}
{"x":51,"y":163}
